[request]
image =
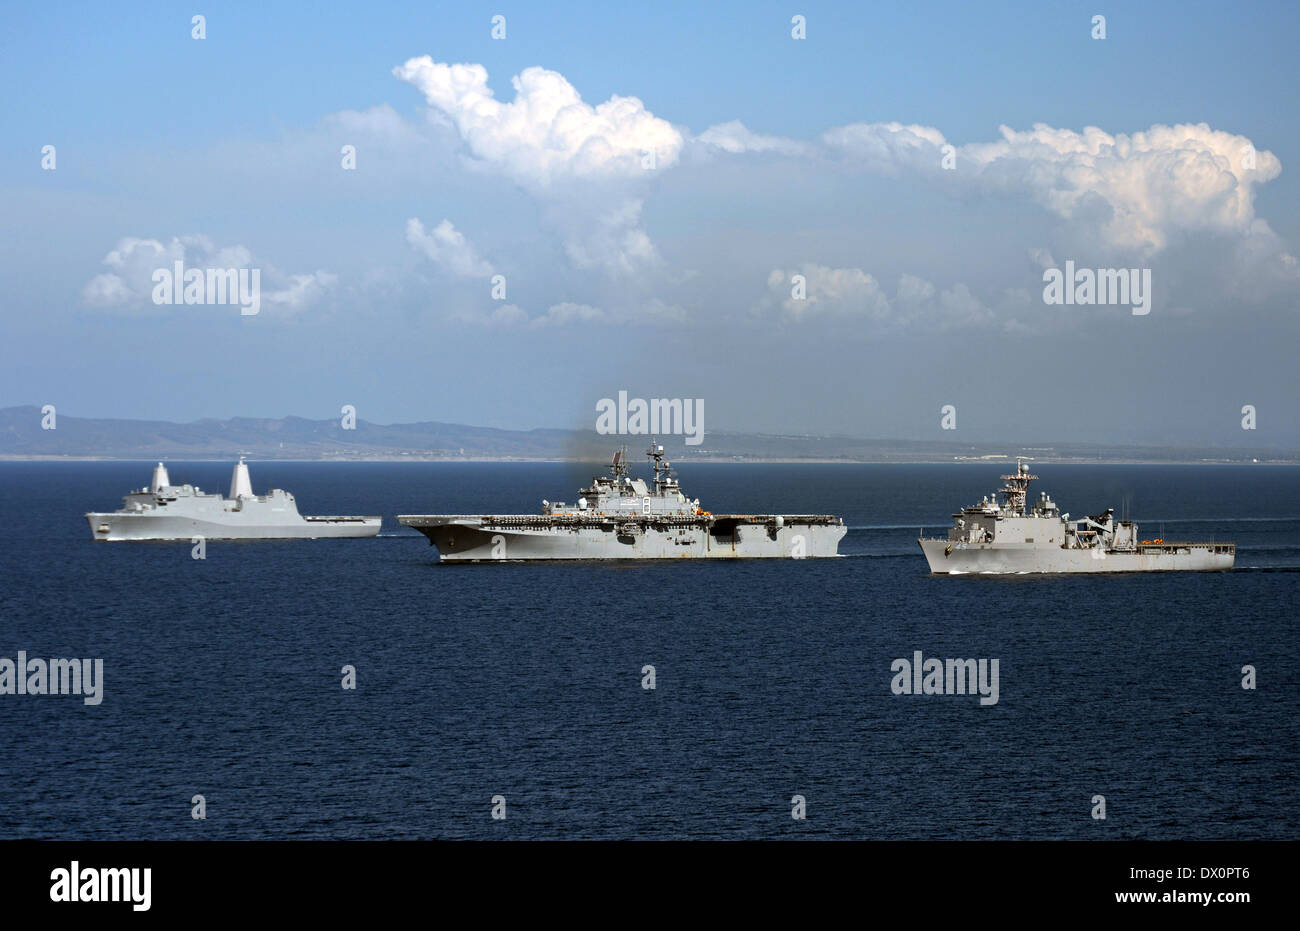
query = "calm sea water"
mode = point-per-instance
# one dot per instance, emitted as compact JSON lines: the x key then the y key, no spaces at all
{"x":222,"y":676}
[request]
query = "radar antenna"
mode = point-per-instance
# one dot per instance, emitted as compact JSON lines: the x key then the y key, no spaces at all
{"x":618,"y":467}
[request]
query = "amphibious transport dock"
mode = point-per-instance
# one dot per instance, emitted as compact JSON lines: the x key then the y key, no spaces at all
{"x":164,"y":511}
{"x":620,"y":517}
{"x":1013,"y":537}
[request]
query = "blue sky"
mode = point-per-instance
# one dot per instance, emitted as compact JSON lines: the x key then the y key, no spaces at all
{"x":779,"y":158}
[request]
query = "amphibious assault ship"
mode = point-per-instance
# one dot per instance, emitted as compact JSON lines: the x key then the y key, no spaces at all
{"x":1014,"y":537}
{"x":164,"y":511}
{"x":620,"y":517}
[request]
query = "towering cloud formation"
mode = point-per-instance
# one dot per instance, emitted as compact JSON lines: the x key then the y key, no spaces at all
{"x":1132,"y":193}
{"x":1157,"y":183}
{"x":589,"y":164}
{"x":1135,"y":191}
{"x":547,"y":132}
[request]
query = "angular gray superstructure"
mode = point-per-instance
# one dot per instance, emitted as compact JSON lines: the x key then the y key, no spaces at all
{"x":620,"y":517}
{"x":1013,"y":537}
{"x":164,"y":511}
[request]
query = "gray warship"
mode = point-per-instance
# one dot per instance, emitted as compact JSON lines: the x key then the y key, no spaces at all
{"x":164,"y":511}
{"x":621,"y":517}
{"x":1013,"y":537}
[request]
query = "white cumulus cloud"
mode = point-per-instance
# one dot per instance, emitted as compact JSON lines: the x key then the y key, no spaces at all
{"x":447,"y":248}
{"x":852,"y":293}
{"x":735,"y":138}
{"x":1134,"y":191}
{"x":301,"y":291}
{"x":568,"y":312}
{"x":826,"y":290}
{"x":1129,"y":192}
{"x":1153,"y":184}
{"x":1132,"y":195}
{"x":889,"y":147}
{"x":589,"y":165}
{"x":547,"y":132}
{"x":129,"y":283}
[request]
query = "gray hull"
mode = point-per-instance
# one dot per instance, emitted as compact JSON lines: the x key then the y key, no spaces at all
{"x":119,"y":527}
{"x":1014,"y":559}
{"x":461,"y":538}
{"x":163,"y":511}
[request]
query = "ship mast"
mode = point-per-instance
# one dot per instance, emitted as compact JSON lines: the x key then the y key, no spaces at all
{"x":240,"y":484}
{"x":662,"y":467}
{"x":1016,"y":488}
{"x":160,"y":479}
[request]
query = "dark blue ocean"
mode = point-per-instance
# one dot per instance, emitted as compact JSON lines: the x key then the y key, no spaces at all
{"x":222,"y":676}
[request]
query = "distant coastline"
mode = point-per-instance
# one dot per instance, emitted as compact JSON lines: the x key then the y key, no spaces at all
{"x":297,"y":439}
{"x":732,"y":460}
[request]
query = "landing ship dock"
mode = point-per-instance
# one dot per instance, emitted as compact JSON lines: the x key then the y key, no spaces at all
{"x":1014,"y":537}
{"x":163,"y":511}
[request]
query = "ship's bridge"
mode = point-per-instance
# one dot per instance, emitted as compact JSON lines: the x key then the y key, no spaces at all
{"x":621,"y":495}
{"x":1011,"y":520}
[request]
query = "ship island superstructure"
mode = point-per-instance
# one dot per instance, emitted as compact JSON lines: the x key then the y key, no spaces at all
{"x":163,"y":511}
{"x":620,"y":516}
{"x":1014,"y":536}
